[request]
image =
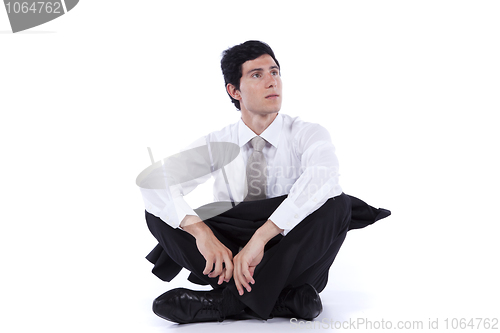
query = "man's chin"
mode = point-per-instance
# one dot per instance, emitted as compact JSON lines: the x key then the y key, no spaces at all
{"x":270,"y":112}
{"x":274,"y":109}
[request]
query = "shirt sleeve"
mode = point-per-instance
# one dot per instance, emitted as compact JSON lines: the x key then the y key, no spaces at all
{"x":167,"y":202}
{"x":318,"y":181}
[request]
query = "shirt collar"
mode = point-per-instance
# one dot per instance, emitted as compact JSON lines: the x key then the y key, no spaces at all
{"x":271,"y":134}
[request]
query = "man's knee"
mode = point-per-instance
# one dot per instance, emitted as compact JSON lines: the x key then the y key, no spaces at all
{"x":339,"y":206}
{"x":335,"y":211}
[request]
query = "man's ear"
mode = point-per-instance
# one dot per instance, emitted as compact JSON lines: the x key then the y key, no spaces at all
{"x":233,"y":92}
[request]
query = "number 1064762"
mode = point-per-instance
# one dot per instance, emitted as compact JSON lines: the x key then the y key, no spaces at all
{"x":37,"y":7}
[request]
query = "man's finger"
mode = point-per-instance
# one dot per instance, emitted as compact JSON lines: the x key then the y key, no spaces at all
{"x":246,"y":279}
{"x":238,"y":285}
{"x":237,"y":279}
{"x":252,"y":270}
{"x":222,"y":277}
{"x":218,"y":269}
{"x":227,"y":276}
{"x":208,"y":267}
{"x":229,"y":271}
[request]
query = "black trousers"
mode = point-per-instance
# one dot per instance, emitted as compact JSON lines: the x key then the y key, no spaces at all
{"x":304,"y":255}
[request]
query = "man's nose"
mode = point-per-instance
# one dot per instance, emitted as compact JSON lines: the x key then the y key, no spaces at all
{"x":271,"y":80}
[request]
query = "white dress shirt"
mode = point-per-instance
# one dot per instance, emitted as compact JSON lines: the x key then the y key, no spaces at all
{"x":301,"y":162}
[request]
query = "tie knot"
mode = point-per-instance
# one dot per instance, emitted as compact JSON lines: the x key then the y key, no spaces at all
{"x":258,"y":143}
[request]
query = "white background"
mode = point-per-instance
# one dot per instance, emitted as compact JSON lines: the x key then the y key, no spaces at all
{"x":409,"y":91}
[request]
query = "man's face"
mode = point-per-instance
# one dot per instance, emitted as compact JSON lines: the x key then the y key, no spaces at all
{"x":260,"y":86}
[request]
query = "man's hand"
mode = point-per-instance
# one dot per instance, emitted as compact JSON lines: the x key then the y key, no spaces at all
{"x":245,"y":262}
{"x":215,"y":253}
{"x":251,"y":255}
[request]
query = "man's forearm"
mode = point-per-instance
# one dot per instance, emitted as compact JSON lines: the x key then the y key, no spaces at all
{"x":219,"y":259}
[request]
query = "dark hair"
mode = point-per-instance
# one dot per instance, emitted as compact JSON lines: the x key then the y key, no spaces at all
{"x":234,"y":58}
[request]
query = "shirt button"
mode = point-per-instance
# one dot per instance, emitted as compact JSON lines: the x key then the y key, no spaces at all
{"x":296,"y":216}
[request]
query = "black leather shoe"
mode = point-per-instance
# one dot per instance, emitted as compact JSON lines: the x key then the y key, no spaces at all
{"x":301,"y":302}
{"x":187,"y":306}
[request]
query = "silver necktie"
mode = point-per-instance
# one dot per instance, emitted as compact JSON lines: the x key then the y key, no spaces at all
{"x":256,"y":171}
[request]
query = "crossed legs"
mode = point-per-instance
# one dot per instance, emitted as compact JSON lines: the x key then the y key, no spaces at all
{"x":303,"y":256}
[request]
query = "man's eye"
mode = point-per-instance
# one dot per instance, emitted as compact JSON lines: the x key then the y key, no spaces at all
{"x":257,"y":75}
{"x":275,"y":73}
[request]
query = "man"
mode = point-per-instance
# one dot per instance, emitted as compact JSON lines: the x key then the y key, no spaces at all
{"x":268,"y":256}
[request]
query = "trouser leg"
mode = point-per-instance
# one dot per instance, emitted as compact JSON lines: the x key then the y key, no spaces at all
{"x":182,"y":249}
{"x":234,"y":228}
{"x":317,"y":275}
{"x":304,"y":255}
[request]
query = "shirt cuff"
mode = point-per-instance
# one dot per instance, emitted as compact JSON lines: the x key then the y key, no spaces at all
{"x":156,"y":205}
{"x":286,"y":216}
{"x":182,"y":209}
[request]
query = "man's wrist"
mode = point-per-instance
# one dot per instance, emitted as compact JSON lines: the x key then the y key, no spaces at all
{"x":194,"y":226}
{"x":188,"y":220}
{"x":267,"y":232}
